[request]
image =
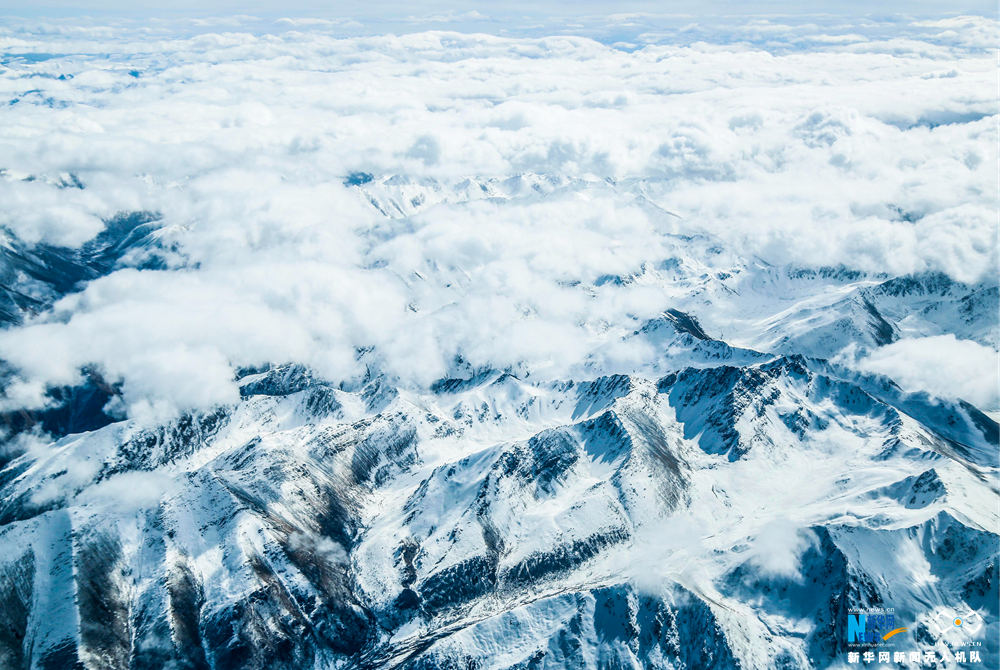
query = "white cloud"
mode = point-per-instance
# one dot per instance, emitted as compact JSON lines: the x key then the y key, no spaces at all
{"x":777,"y":548}
{"x":130,"y":491}
{"x":776,"y":141}
{"x":943,"y":365}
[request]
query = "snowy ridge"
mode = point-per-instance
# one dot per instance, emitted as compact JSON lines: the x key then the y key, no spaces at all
{"x":311,"y":526}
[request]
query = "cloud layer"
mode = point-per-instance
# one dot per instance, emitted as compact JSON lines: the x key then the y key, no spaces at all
{"x":554,"y":162}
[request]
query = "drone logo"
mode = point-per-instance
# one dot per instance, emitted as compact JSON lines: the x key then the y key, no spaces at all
{"x":951,"y":622}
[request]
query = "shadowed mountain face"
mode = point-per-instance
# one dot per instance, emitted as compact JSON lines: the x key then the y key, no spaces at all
{"x":33,"y":276}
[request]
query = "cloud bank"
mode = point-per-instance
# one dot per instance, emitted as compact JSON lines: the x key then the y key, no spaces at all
{"x":501,"y":186}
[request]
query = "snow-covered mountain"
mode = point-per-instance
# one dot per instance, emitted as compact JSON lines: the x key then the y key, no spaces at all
{"x":724,"y":508}
{"x":457,"y":351}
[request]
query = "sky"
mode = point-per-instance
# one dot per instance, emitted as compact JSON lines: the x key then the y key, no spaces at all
{"x":480,"y":14}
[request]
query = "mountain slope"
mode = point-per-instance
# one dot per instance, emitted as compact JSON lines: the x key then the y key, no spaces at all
{"x":720,"y":516}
